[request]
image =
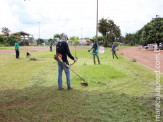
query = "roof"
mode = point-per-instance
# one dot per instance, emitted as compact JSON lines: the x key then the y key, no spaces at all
{"x":21,"y":33}
{"x":16,"y":33}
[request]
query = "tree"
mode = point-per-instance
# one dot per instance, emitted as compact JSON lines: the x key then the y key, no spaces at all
{"x":100,"y":39}
{"x":103,"y":29}
{"x":152,"y":32}
{"x":6,"y":31}
{"x":1,"y":39}
{"x":40,"y":41}
{"x":109,"y":30}
{"x":30,"y":40}
{"x":121,"y":39}
{"x":130,"y":39}
{"x":57,"y":36}
{"x":51,"y":41}
{"x":11,"y":40}
{"x":75,"y":40}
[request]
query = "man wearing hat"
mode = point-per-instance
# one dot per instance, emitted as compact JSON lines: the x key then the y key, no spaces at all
{"x":62,"y":49}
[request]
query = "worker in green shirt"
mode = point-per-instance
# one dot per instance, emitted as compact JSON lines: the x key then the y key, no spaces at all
{"x":95,"y":48}
{"x":17,"y":48}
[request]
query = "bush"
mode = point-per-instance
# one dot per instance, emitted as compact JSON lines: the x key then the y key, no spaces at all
{"x":101,"y":43}
{"x":116,"y":44}
{"x":4,"y":45}
{"x":133,"y":60}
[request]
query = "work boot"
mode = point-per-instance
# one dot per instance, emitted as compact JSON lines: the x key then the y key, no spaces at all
{"x":69,"y":88}
{"x":60,"y":88}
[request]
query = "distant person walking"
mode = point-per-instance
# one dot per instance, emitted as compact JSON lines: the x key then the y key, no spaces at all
{"x":114,"y":51}
{"x":95,"y":48}
{"x":17,"y":48}
{"x":51,"y":46}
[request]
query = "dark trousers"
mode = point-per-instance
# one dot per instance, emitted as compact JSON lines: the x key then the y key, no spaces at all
{"x":17,"y":53}
{"x":114,"y":53}
{"x":96,"y":54}
{"x":51,"y":48}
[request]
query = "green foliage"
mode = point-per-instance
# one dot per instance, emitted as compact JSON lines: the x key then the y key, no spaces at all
{"x":11,"y":40}
{"x":57,"y":36}
{"x":6,"y":31}
{"x":1,"y":39}
{"x":100,"y":38}
{"x":51,"y":41}
{"x":4,"y":45}
{"x":130,"y":39}
{"x":110,"y":31}
{"x":151,"y":32}
{"x":103,"y":26}
{"x":30,"y":40}
{"x":116,"y":44}
{"x":133,"y":60}
{"x":75,"y":40}
{"x":40,"y":41}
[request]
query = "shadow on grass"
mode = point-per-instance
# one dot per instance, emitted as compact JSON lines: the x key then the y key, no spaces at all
{"x":50,"y":104}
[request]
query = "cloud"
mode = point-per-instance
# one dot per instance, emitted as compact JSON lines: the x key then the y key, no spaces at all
{"x":69,"y":16}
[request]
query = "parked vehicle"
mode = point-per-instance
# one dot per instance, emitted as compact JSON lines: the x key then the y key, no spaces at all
{"x":149,"y":46}
{"x":161,"y":46}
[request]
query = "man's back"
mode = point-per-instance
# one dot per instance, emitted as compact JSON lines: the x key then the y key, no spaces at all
{"x":63,"y":49}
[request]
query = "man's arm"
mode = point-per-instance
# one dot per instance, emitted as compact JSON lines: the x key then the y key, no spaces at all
{"x":68,"y":51}
{"x":19,"y":42}
{"x":91,"y":48}
{"x":97,"y":48}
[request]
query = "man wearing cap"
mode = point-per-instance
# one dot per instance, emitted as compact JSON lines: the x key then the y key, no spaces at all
{"x":95,"y":48}
{"x":62,"y":49}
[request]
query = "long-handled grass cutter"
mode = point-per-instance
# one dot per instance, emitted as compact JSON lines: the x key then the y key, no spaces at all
{"x":59,"y":59}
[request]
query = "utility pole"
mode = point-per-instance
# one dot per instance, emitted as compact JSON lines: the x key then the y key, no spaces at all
{"x":156,"y":25}
{"x":97,"y":23}
{"x":81,"y":32}
{"x":39,"y":30}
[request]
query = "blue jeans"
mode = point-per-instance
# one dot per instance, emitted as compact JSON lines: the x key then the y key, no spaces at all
{"x":61,"y":67}
{"x":96,"y":54}
{"x":114,"y":53}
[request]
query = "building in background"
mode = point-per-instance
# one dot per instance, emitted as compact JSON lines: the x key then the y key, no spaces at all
{"x":85,"y":41}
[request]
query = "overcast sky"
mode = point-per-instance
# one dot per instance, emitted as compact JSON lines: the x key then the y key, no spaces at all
{"x":75,"y":17}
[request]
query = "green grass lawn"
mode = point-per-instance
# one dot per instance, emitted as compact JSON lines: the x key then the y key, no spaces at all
{"x":119,"y":90}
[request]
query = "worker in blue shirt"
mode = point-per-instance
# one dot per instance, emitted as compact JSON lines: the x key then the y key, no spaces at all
{"x":114,"y":51}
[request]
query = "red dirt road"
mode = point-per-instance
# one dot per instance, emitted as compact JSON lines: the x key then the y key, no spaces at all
{"x":28,"y":49}
{"x":23,"y":49}
{"x":142,"y":56}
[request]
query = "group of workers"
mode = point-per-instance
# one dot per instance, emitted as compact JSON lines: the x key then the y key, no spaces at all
{"x":62,"y":51}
